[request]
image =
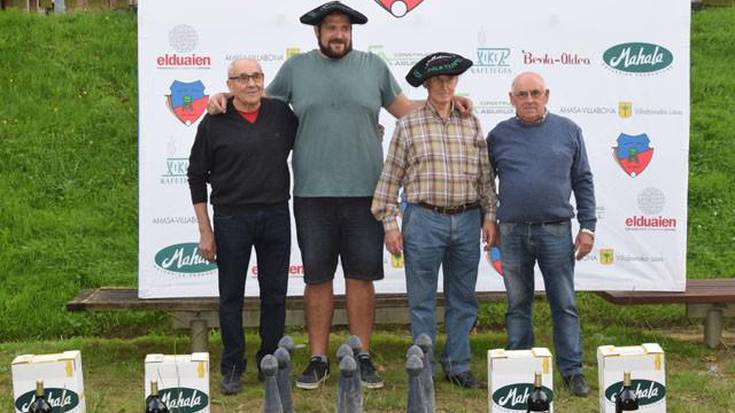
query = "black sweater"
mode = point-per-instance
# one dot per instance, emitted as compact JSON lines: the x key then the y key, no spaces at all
{"x":245,"y":163}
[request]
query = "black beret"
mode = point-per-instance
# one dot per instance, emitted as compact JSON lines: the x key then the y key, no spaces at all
{"x":316,"y":16}
{"x":436,"y":64}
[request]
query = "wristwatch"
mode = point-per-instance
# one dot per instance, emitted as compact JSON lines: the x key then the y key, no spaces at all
{"x":588,"y":231}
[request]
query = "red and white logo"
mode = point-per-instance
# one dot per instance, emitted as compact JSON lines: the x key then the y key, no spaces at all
{"x":399,"y":8}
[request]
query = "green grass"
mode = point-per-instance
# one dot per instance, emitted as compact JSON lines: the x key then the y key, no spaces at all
{"x":698,"y":380}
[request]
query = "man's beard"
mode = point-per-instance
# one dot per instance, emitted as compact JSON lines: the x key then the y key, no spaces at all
{"x":326,"y":51}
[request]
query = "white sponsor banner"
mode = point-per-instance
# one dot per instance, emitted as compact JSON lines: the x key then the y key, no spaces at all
{"x":618,"y":69}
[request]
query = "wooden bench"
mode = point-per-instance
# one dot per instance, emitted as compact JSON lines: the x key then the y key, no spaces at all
{"x":200,"y":314}
{"x":711,"y":300}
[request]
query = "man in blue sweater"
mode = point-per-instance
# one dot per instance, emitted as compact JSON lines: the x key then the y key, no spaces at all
{"x":540,"y":158}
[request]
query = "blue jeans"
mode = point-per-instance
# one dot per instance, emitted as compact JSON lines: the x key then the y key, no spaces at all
{"x":431,"y":239}
{"x":522,"y":245}
{"x":236,"y":231}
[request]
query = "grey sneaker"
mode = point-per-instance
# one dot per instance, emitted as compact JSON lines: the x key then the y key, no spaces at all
{"x":315,"y":373}
{"x":230,"y":384}
{"x":368,"y":375}
{"x":577,"y":385}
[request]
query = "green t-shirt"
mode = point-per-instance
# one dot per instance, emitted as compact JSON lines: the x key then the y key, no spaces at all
{"x":337,"y":152}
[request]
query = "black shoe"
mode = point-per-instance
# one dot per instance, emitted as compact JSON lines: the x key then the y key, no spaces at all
{"x":465,"y":380}
{"x":261,"y":376}
{"x":230,"y":384}
{"x":577,"y":385}
{"x":315,"y":374}
{"x":368,"y":375}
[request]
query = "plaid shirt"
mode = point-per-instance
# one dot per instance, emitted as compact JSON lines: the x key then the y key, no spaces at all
{"x":442,"y":162}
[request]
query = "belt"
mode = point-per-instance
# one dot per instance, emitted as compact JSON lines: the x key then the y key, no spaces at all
{"x":450,"y":210}
{"x":560,"y":221}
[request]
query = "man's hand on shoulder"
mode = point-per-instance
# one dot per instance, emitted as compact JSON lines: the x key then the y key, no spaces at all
{"x":464,"y":105}
{"x":217,"y":103}
{"x":583,"y":244}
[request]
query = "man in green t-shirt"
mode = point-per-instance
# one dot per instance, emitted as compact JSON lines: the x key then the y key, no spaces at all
{"x":337,"y":94}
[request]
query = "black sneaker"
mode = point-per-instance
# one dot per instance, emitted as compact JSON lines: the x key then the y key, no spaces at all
{"x":231,"y":384}
{"x":465,"y":380}
{"x":368,"y":376}
{"x":577,"y":385}
{"x":315,"y":374}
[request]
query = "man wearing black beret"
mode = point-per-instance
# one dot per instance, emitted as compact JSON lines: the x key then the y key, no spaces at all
{"x":440,"y":159}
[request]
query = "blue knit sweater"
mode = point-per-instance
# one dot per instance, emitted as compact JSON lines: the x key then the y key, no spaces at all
{"x":538,"y":167}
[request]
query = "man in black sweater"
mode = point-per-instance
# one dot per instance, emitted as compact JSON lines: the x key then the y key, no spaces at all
{"x":243,"y":153}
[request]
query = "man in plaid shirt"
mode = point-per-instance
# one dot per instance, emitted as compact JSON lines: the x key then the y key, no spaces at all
{"x":440,"y":159}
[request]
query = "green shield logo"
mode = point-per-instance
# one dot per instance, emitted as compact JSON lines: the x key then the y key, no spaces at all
{"x":638,"y":57}
{"x":184,"y":399}
{"x":648,"y":391}
{"x":62,"y":400}
{"x":515,"y":396}
{"x":183,"y":258}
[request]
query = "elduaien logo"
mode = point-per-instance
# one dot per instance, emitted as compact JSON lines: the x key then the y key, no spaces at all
{"x":633,"y":153}
{"x":638,"y":58}
{"x":515,"y":396}
{"x":187,"y":101}
{"x":62,"y":400}
{"x":648,"y":391}
{"x":183,"y":39}
{"x":399,"y":8}
{"x":183,"y":259}
{"x":184,"y":399}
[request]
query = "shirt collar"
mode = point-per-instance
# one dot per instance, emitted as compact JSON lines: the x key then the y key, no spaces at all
{"x":433,"y":111}
{"x":538,"y":122}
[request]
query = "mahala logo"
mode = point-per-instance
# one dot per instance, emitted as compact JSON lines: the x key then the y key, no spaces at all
{"x":184,"y":400}
{"x":62,"y":400}
{"x":633,"y":153}
{"x":648,"y":391}
{"x":183,"y":258}
{"x":515,"y":396}
{"x":399,"y":8}
{"x":187,"y":101}
{"x":638,"y":58}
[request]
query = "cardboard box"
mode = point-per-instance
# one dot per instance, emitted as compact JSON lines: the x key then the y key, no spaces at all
{"x":647,"y":368}
{"x":62,"y":380}
{"x":510,"y":377}
{"x":183,"y":380}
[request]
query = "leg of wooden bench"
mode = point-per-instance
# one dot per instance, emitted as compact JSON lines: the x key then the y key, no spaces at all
{"x":199,"y":341}
{"x":713,"y":327}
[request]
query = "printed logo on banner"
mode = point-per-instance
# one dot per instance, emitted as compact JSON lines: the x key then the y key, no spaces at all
{"x":170,"y":220}
{"x":651,"y":201}
{"x":649,"y":392}
{"x":549,"y":59}
{"x":492,"y":61}
{"x":176,"y":171}
{"x":187,"y":101}
{"x":515,"y":396}
{"x":262,"y":57}
{"x":61,"y":400}
{"x":183,"y":259}
{"x":184,"y":399}
{"x":404,"y":59}
{"x":492,"y":107}
{"x":183,"y":39}
{"x":292,"y":51}
{"x":638,"y":58}
{"x":588,"y":110}
{"x":493,"y":257}
{"x":607,"y":256}
{"x":633,"y":153}
{"x":399,"y":8}
{"x":625,"y":109}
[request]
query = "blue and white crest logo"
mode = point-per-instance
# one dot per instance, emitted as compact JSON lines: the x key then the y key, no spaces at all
{"x":187,"y":101}
{"x":633,"y":153}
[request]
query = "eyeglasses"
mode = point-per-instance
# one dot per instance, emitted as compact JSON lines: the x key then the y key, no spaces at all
{"x":523,"y":94}
{"x":245,"y":78}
